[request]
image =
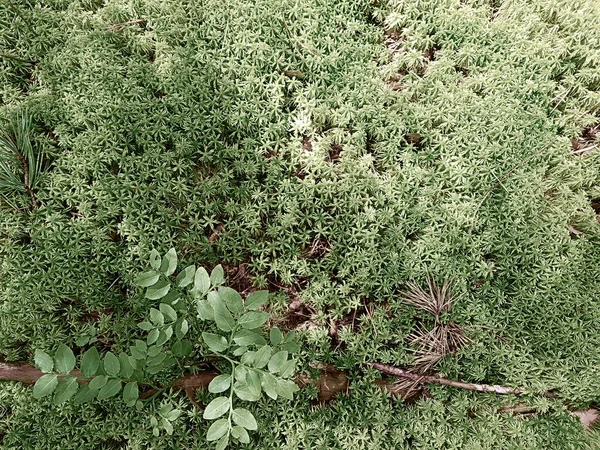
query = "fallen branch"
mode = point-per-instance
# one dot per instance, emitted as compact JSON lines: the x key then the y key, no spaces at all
{"x":330,"y":383}
{"x":432,"y":379}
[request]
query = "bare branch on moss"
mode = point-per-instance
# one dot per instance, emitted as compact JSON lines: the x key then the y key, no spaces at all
{"x":432,"y":379}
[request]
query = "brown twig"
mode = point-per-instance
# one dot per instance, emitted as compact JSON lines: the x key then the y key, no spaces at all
{"x":330,"y":383}
{"x":25,"y":373}
{"x":432,"y":379}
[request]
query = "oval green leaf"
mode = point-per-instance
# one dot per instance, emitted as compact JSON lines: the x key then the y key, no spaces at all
{"x":256,"y":300}
{"x":275,"y":336}
{"x":43,"y":361}
{"x":159,"y":290}
{"x":64,"y":359}
{"x":84,"y":395}
{"x":168,"y":312}
{"x":110,"y":389}
{"x":205,"y":311}
{"x":217,"y":430}
{"x":240,"y":434}
{"x":232,"y":299}
{"x":186,"y":276}
{"x":215,"y":342}
{"x":131,"y":393}
{"x":155,"y":259}
{"x":45,"y":385}
{"x":126,"y":367}
{"x":277,"y":360}
{"x":66,"y":388}
{"x":269,"y":384}
{"x":253,"y":319}
{"x":219,"y":384}
{"x":90,"y":362}
{"x":262,"y":357}
{"x":171,"y":257}
{"x":98,"y":382}
{"x":223,"y":317}
{"x":244,"y":418}
{"x":111,"y":364}
{"x":217,"y":276}
{"x":147,"y":279}
{"x":248,"y":337}
{"x":217,"y":408}
{"x":201,"y":281}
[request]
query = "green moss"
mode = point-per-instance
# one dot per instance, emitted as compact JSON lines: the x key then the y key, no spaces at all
{"x":169,"y":132}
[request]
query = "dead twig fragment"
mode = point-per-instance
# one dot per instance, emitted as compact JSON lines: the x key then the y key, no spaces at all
{"x":432,"y":379}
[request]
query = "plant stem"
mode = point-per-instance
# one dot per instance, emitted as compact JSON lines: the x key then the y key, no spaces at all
{"x":25,"y":165}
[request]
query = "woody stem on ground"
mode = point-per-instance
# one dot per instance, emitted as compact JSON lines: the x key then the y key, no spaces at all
{"x":432,"y":379}
{"x":25,"y":373}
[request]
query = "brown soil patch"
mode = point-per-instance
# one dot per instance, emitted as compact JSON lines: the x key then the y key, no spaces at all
{"x":214,"y":236}
{"x":334,"y":153}
{"x":238,"y":278}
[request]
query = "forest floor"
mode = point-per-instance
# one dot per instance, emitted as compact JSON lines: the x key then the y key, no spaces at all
{"x":334,"y":153}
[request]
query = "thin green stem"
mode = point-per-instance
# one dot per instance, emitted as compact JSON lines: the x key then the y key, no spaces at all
{"x":231,"y":396}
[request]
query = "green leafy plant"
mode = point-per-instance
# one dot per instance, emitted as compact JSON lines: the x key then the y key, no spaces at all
{"x":256,"y":363}
{"x":101,"y":377}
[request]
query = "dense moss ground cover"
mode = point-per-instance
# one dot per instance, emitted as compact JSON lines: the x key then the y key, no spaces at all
{"x":341,"y":148}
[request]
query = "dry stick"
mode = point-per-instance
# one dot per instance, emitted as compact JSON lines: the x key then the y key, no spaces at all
{"x":418,"y":378}
{"x":25,"y":373}
{"x":331,"y":383}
